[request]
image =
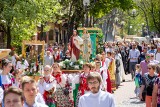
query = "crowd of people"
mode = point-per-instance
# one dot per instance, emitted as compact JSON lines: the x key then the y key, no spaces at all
{"x":93,"y":86}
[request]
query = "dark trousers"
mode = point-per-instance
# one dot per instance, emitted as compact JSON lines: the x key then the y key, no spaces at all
{"x":132,"y":68}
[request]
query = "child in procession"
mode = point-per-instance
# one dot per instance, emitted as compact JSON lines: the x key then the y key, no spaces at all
{"x":80,"y":83}
{"x":138,"y":80}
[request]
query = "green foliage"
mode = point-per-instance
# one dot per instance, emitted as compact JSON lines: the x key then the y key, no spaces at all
{"x":99,"y":41}
{"x":23,"y":16}
{"x":32,"y":73}
{"x":151,"y":13}
{"x":103,"y":7}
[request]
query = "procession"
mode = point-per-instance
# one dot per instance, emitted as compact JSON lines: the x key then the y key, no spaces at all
{"x":79,"y":53}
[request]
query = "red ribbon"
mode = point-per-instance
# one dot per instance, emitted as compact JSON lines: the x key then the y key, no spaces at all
{"x":83,"y":85}
{"x":58,"y":78}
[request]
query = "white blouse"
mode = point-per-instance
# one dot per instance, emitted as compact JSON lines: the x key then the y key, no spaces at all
{"x":47,"y":86}
{"x":5,"y":79}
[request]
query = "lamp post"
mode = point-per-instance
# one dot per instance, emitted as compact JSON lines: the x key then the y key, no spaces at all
{"x":133,"y":13}
{"x":86,"y":3}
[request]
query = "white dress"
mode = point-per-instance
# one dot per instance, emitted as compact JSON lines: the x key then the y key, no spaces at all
{"x":45,"y":86}
{"x":104,"y":76}
{"x":21,"y":66}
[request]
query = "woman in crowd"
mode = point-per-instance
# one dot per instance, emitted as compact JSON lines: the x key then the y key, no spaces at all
{"x":6,"y":79}
{"x":63,"y":99}
{"x":80,"y":83}
{"x":156,"y":90}
{"x":47,"y":85}
{"x":147,"y":82}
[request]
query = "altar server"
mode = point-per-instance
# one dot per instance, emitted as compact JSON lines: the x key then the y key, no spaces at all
{"x":96,"y":97}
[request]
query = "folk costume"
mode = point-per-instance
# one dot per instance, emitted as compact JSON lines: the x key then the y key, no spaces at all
{"x":6,"y":81}
{"x":17,"y":83}
{"x":49,"y":87}
{"x":80,"y":86}
{"x":63,"y":100}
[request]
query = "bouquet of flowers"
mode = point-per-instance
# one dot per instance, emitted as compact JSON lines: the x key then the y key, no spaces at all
{"x":67,"y":64}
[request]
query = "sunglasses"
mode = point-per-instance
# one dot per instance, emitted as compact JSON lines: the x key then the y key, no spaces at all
{"x":152,"y":56}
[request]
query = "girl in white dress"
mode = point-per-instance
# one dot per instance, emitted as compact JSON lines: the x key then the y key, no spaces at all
{"x":6,"y":78}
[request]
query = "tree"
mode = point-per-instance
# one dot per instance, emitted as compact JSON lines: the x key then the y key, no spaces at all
{"x":19,"y":18}
{"x":75,"y":11}
{"x":151,"y":11}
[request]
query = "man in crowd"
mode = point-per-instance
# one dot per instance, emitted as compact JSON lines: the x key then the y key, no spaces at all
{"x":30,"y":91}
{"x":13,"y":97}
{"x":133,"y":57}
{"x":48,"y":59}
{"x":143,"y":54}
{"x":96,"y":97}
{"x":144,"y":63}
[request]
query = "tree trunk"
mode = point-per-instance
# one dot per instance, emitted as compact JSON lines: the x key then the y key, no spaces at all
{"x":9,"y":37}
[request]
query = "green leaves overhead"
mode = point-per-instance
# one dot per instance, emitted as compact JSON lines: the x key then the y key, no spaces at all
{"x":151,"y":13}
{"x":23,"y":16}
{"x":102,"y":7}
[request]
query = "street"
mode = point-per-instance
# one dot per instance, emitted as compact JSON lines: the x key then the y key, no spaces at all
{"x":124,"y":95}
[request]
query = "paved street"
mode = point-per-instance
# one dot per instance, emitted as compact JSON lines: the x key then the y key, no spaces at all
{"x":125,"y":97}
